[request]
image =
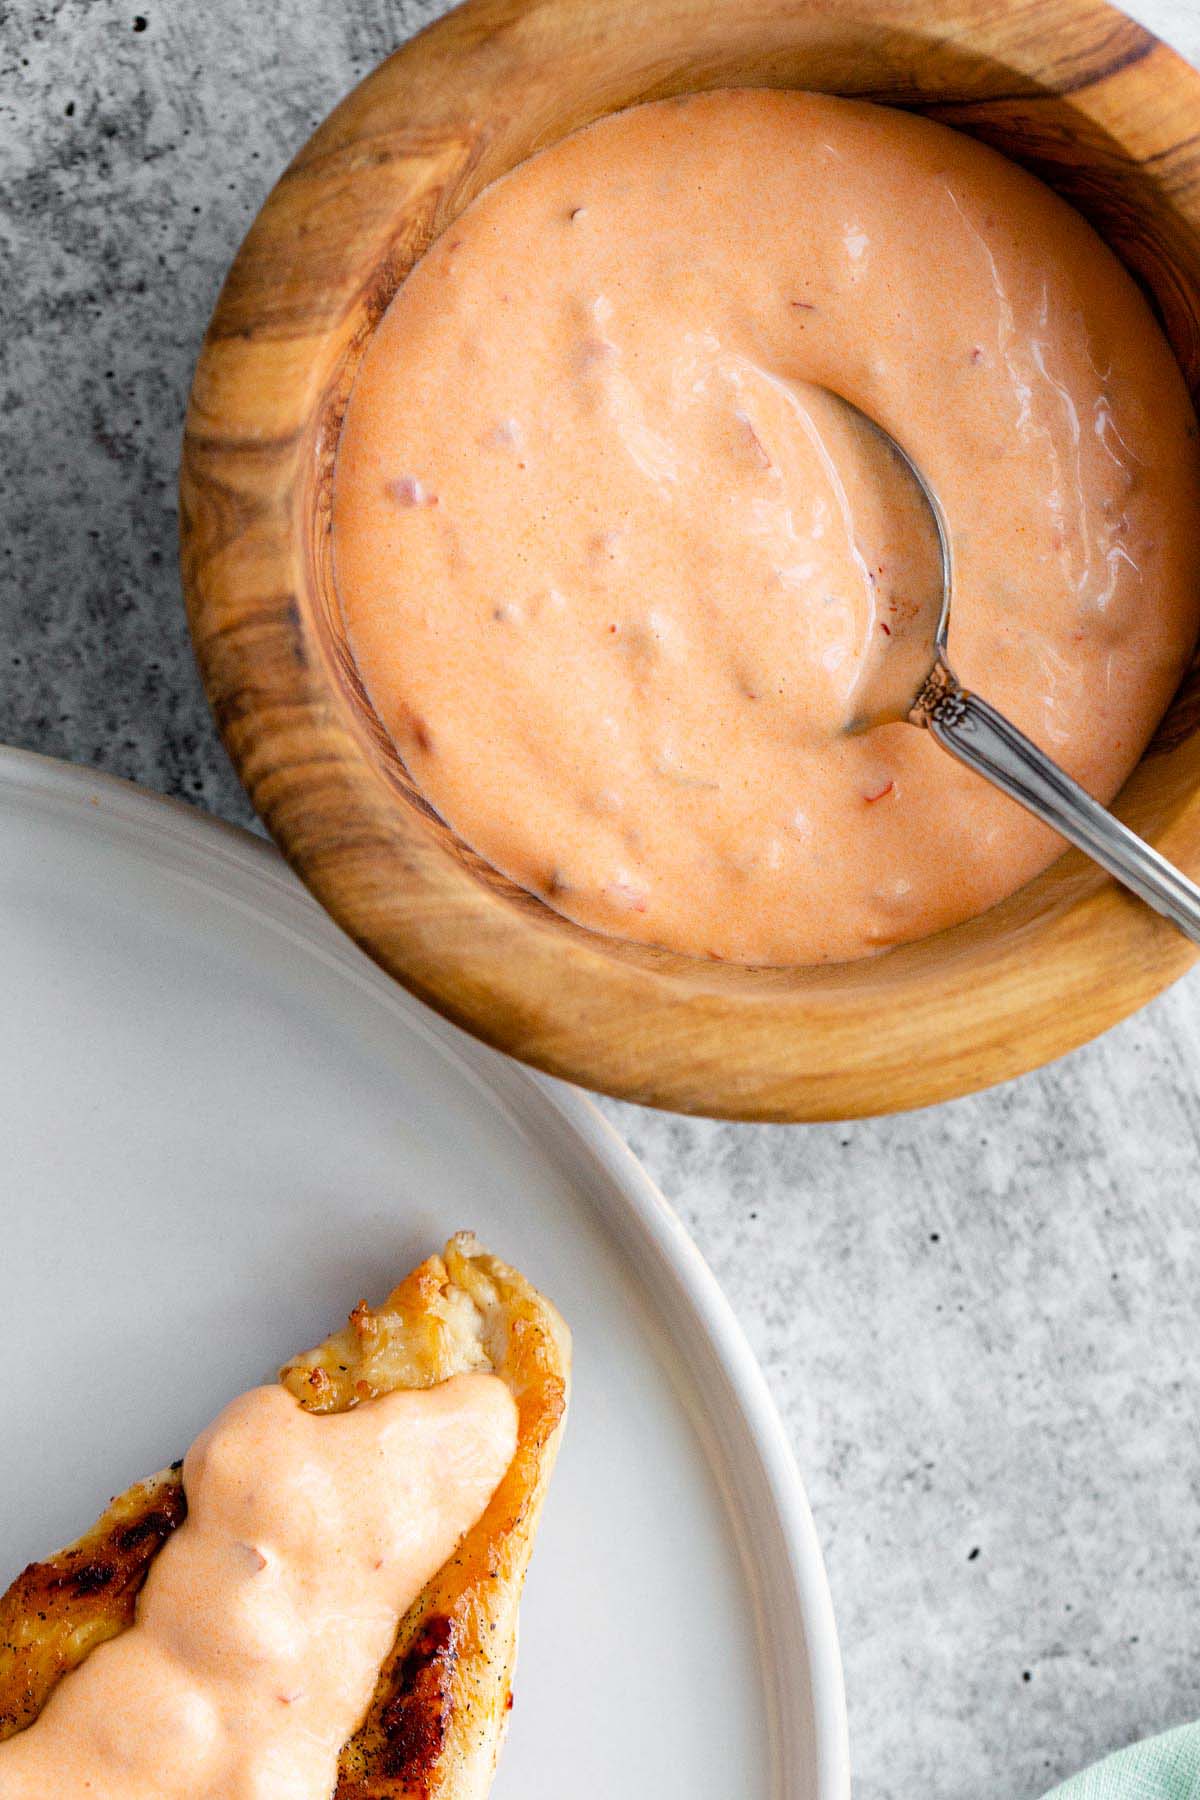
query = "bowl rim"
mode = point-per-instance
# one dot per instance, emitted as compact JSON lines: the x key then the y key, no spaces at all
{"x":909,"y":1028}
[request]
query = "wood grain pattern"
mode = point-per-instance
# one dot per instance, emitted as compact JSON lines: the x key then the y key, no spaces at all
{"x":1088,"y":100}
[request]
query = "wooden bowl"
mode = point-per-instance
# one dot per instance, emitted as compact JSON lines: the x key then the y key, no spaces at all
{"x":1074,"y":90}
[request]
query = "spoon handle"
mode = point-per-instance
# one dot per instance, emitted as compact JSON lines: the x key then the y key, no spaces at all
{"x":985,"y":740}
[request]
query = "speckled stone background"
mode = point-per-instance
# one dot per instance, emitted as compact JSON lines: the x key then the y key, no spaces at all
{"x":981,"y":1322}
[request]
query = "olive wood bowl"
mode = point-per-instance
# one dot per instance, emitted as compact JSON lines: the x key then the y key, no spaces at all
{"x":1072,"y":89}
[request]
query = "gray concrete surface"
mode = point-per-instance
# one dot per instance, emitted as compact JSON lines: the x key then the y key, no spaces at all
{"x":981,"y":1321}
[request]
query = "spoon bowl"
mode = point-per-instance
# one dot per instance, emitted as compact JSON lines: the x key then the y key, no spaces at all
{"x":903,"y":651}
{"x":982,"y":738}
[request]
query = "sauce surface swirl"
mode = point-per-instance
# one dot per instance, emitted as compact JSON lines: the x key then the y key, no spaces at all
{"x":612,"y":568}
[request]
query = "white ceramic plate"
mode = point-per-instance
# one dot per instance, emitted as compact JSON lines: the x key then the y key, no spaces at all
{"x":219,"y":1126}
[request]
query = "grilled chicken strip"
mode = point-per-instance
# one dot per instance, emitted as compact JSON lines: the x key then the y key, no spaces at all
{"x":435,"y":1725}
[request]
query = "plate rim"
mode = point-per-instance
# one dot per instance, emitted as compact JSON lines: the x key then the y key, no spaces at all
{"x":242,"y":867}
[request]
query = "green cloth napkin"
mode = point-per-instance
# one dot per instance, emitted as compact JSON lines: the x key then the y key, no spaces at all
{"x":1162,"y":1768}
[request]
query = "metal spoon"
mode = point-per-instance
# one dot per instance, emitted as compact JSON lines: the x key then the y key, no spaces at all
{"x":990,"y":744}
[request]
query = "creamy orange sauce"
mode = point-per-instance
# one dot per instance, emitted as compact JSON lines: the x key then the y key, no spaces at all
{"x":614,"y":570}
{"x":264,"y":1621}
